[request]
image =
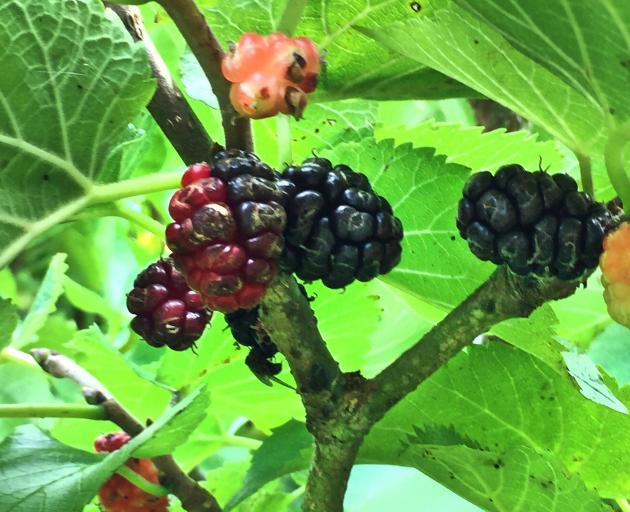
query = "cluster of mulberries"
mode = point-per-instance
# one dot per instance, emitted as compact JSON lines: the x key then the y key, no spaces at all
{"x":533,"y":222}
{"x":271,"y":74}
{"x":118,"y":494}
{"x":230,"y":235}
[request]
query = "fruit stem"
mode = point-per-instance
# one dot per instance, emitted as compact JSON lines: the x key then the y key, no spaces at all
{"x":586,"y":173}
{"x":140,"y":482}
{"x":134,"y":187}
{"x":291,"y":16}
{"x":140,"y":219}
{"x":614,"y":157}
{"x":283,"y":130}
{"x":88,"y":412}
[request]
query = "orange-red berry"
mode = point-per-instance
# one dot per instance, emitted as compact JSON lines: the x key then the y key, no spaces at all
{"x":120,"y":495}
{"x":615,"y":266}
{"x":271,"y":74}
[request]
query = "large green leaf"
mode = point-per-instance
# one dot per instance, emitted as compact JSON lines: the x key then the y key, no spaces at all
{"x":503,"y":398}
{"x":39,"y":474}
{"x":45,"y":302}
{"x":324,"y":126}
{"x":8,"y":321}
{"x":515,"y":480}
{"x":469,"y":50}
{"x":567,"y":38}
{"x":72,"y":80}
{"x":22,"y":384}
{"x":288,"y":449}
{"x":471,"y":147}
{"x":357,"y":66}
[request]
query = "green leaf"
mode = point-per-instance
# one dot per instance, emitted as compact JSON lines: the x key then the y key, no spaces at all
{"x":8,"y":286}
{"x":535,"y":335}
{"x":8,"y":321}
{"x":515,"y":480}
{"x":590,"y":381}
{"x":357,"y":66}
{"x":479,"y":150}
{"x":22,"y":384}
{"x":610,"y":350}
{"x":44,"y":303}
{"x":72,"y":81}
{"x":38,"y":474}
{"x":503,"y":398}
{"x":195,"y":81}
{"x":288,"y":449}
{"x":325,"y":125}
{"x":191,"y":412}
{"x":87,"y":300}
{"x":459,"y":45}
{"x":583,"y":315}
{"x":566,"y":38}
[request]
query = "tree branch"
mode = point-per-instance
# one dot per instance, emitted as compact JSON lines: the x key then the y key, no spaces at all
{"x":331,"y":398}
{"x":191,"y":23}
{"x":168,"y":106}
{"x":342,"y":408}
{"x":503,"y":296}
{"x":288,"y":319}
{"x":193,"y":497}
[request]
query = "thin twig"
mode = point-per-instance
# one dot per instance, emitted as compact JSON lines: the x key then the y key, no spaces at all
{"x":193,"y":26}
{"x":193,"y":497}
{"x":168,"y":106}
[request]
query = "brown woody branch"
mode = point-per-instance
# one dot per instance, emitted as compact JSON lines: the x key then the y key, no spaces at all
{"x":342,"y":408}
{"x":207,"y":50}
{"x":193,"y":497}
{"x":168,"y":106}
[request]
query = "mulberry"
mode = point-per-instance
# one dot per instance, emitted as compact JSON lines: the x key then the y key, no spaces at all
{"x":533,"y":222}
{"x":228,"y":229}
